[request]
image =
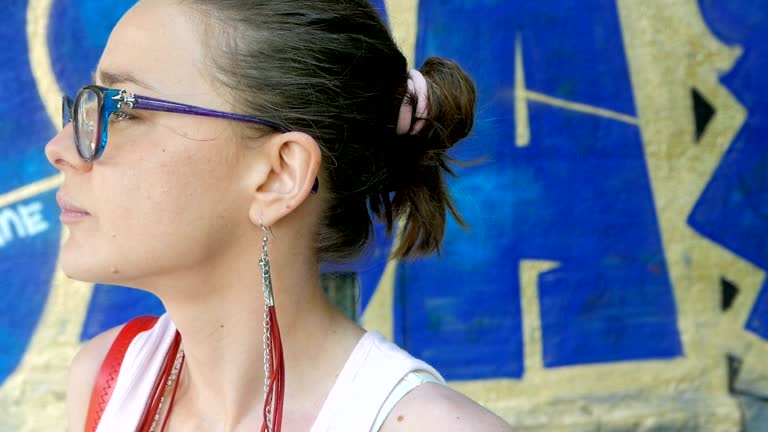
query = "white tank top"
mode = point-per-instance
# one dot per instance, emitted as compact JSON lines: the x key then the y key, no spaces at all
{"x":375,"y":377}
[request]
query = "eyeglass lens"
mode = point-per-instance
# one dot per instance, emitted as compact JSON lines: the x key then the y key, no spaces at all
{"x":87,"y":123}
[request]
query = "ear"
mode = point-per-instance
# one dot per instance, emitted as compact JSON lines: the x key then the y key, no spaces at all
{"x":293,"y":160}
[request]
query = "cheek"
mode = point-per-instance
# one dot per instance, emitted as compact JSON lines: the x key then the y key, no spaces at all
{"x":170,"y":210}
{"x":179,"y":195}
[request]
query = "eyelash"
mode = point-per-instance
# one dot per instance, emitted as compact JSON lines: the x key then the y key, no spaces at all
{"x":121,"y":116}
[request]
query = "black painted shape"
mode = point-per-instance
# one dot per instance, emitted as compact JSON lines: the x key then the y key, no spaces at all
{"x":730,"y":291}
{"x":703,"y":112}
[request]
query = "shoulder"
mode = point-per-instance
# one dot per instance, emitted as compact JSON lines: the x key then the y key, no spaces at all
{"x":434,"y":406}
{"x":82,"y":376}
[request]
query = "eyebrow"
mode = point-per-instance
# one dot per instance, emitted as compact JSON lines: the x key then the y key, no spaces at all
{"x":109,"y":79}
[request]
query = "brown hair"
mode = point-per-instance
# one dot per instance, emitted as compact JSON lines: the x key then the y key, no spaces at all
{"x":330,"y":68}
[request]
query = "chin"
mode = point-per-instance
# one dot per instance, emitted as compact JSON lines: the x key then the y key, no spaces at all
{"x":87,"y":269}
{"x":90,"y":275}
{"x":89,"y":263}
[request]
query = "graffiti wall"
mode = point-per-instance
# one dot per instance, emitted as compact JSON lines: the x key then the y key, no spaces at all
{"x":614,"y":273}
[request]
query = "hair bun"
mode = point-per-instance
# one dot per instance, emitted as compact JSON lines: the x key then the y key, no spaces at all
{"x":452,"y":97}
{"x":421,"y":200}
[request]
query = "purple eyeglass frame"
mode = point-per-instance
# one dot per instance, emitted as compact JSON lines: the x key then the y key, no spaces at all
{"x":112,"y":100}
{"x":134,"y":101}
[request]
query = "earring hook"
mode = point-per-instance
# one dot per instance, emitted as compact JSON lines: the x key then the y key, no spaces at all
{"x":267,"y":230}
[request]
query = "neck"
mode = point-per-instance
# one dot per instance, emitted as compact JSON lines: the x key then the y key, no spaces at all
{"x":219,"y":311}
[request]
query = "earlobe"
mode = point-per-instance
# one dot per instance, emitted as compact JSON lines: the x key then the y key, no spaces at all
{"x":294,"y":164}
{"x":256,"y":215}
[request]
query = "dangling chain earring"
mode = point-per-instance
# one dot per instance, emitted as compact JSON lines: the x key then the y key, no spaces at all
{"x":274,"y":368}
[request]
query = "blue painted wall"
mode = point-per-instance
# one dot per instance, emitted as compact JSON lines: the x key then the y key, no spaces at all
{"x":579,"y":193}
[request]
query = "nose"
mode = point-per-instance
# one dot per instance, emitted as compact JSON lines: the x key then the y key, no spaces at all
{"x":62,"y":154}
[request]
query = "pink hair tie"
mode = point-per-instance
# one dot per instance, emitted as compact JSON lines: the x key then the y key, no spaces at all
{"x":417,"y":88}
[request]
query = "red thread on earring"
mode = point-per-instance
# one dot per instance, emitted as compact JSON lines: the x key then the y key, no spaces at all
{"x":276,"y":392}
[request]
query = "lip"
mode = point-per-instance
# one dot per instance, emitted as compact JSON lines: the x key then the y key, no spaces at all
{"x":70,"y":212}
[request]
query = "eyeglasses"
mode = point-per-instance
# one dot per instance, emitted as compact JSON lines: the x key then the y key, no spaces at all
{"x":93,"y":106}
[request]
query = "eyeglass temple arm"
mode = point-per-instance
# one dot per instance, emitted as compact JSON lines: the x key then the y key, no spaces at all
{"x":153,"y":104}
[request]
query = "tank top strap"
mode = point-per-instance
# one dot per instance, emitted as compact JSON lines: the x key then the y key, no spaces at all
{"x":138,"y":372}
{"x":408,"y":383}
{"x":358,"y":400}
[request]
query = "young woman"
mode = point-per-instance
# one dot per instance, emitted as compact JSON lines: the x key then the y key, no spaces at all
{"x":224,"y":151}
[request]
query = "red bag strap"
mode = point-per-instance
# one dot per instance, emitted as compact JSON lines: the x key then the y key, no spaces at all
{"x":110,"y":368}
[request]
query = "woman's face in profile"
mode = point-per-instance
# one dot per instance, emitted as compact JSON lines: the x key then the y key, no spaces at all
{"x":165,"y":195}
